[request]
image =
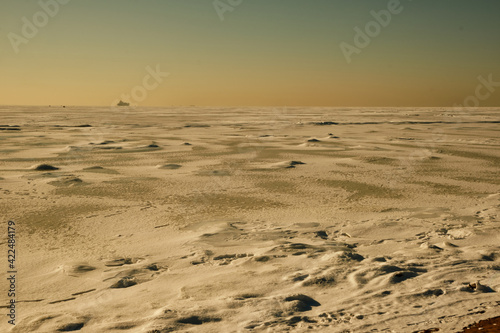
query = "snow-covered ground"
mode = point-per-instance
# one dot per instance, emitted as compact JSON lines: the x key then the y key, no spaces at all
{"x":251,"y":219}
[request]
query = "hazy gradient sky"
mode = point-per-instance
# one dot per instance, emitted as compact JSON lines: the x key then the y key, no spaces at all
{"x":264,"y":52}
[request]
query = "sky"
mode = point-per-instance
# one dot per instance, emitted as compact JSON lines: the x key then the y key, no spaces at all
{"x":250,"y":52}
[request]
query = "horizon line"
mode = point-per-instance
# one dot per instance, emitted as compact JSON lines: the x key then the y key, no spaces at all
{"x":246,"y":106}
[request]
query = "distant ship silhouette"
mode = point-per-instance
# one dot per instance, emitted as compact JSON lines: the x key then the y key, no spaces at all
{"x":122,"y":103}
